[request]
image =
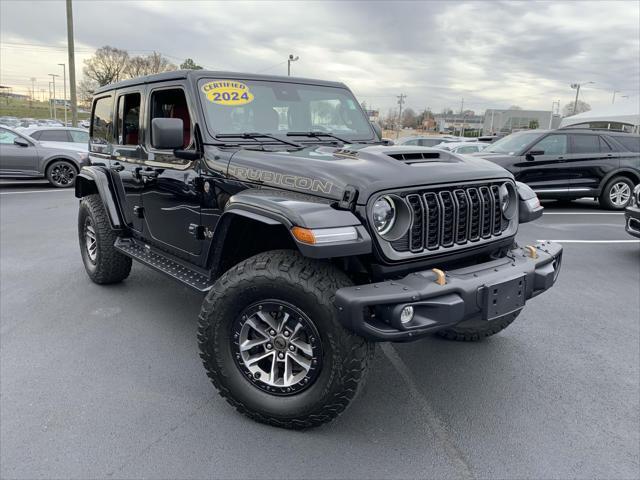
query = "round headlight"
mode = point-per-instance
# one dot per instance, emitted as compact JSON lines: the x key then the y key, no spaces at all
{"x":508,"y":200}
{"x":384,"y":214}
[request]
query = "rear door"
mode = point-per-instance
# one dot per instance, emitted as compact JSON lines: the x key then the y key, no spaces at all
{"x":589,"y":160}
{"x":543,"y":166}
{"x":127,"y":160}
{"x":17,"y":159}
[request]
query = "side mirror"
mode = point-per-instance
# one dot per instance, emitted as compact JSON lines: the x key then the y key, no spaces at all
{"x":533,"y":153}
{"x":20,"y":142}
{"x":529,"y":208}
{"x":377,"y":129}
{"x":167,"y":133}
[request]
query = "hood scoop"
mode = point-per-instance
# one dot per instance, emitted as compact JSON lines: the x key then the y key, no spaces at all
{"x":420,"y":157}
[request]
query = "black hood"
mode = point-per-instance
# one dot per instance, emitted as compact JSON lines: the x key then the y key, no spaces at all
{"x":326,"y":171}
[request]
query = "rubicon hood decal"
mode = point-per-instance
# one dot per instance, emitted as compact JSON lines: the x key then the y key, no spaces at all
{"x":283,"y":179}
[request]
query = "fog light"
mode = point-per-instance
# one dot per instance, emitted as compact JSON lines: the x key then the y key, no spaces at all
{"x":406,"y":315}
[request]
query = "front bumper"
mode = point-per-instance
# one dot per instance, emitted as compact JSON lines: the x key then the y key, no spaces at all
{"x":484,"y":291}
{"x":632,"y":221}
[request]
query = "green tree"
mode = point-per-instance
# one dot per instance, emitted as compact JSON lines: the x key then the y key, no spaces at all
{"x":189,"y":64}
{"x":533,"y":124}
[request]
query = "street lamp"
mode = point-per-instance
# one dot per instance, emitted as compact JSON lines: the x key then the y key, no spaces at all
{"x":64,"y":76}
{"x":289,"y":60}
{"x":577,"y":87}
{"x":53,"y":77}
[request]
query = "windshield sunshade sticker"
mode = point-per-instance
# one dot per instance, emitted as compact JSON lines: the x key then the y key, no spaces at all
{"x":227,"y":92}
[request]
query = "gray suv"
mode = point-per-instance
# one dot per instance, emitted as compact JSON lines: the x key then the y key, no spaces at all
{"x":25,"y":157}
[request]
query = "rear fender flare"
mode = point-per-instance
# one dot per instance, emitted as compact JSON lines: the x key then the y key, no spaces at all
{"x":95,"y":180}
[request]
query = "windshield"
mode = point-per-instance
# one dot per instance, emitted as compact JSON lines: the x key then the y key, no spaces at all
{"x":513,"y":143}
{"x":277,"y":108}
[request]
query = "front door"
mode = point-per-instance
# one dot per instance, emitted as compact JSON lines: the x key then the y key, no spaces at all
{"x":14,"y":158}
{"x":544,"y":168}
{"x":171,"y":196}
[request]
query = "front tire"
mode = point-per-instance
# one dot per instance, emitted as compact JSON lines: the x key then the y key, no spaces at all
{"x":616,"y":193}
{"x":474,"y":330}
{"x":103,"y":263}
{"x":274,"y":308}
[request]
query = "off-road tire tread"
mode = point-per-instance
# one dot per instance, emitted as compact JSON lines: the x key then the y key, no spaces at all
{"x":317,"y":278}
{"x":468,"y":334}
{"x":113,"y":266}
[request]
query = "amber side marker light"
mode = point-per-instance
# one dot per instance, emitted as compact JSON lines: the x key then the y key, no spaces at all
{"x":304,"y":235}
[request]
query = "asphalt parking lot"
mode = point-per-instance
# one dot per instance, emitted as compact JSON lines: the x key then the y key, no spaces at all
{"x":106,"y":382}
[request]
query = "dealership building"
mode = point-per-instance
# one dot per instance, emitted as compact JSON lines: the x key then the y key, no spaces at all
{"x":507,"y":121}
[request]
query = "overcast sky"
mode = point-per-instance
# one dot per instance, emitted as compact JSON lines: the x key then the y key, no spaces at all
{"x":494,"y":54}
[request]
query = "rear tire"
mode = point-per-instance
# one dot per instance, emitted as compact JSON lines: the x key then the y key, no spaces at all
{"x":103,"y":263}
{"x":62,"y":174}
{"x":616,"y":193}
{"x":474,"y":330}
{"x":249,"y":294}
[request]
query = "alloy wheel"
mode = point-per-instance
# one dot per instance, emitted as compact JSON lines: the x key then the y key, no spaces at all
{"x":619,"y":194}
{"x":91,"y":243}
{"x":277,"y":347}
{"x":62,"y":174}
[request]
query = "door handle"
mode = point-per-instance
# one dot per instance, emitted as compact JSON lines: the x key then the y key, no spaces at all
{"x":117,"y":167}
{"x":148,"y":173}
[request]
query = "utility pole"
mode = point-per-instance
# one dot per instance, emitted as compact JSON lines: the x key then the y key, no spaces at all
{"x":33,"y":91}
{"x":577,"y":87}
{"x":613,"y":100}
{"x":462,"y":115}
{"x":401,"y":98}
{"x":53,"y":76}
{"x":289,"y":60}
{"x":72,"y":66}
{"x":50,"y":111}
{"x":64,"y":82}
{"x":553,"y":107}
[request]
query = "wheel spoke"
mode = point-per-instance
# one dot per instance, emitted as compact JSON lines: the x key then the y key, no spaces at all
{"x":287,"y":371}
{"x":249,"y":344}
{"x":260,"y":356}
{"x":300,"y":360}
{"x":268,"y":319}
{"x":304,"y":347}
{"x":274,"y":368}
{"x":258,"y":328}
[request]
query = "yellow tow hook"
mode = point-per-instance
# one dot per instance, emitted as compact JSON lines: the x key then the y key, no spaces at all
{"x":531,"y":251}
{"x":441,"y":278}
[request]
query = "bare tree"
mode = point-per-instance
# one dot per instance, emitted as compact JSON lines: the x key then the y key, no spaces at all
{"x":515,"y":107}
{"x":86,"y":87}
{"x":189,"y":64}
{"x":567,"y":110}
{"x":107,"y":65}
{"x":138,"y":67}
{"x":158,"y":64}
{"x":409,"y":118}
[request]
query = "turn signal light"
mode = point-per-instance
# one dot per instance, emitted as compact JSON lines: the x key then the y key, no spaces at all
{"x":304,"y":235}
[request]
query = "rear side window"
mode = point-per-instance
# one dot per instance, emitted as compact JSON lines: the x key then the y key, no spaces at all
{"x":631,"y":144}
{"x":35,"y":135}
{"x":129,"y":119}
{"x":102,"y":121}
{"x":604,"y":145}
{"x":585,"y":144}
{"x":79,"y":137}
{"x":53,"y":136}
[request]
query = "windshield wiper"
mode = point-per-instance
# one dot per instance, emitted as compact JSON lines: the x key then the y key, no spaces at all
{"x":317,"y":135}
{"x":255,"y":136}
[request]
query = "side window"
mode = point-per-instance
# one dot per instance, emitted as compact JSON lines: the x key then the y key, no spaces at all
{"x":411,"y":142}
{"x":6,"y":137}
{"x":552,"y":145}
{"x":604,"y":145}
{"x":129,"y":119}
{"x":35,"y":135}
{"x":171,"y":103}
{"x":469,"y":149}
{"x":79,"y":137}
{"x":53,"y":136}
{"x":630,"y":143}
{"x":585,"y":144}
{"x":101,"y":124}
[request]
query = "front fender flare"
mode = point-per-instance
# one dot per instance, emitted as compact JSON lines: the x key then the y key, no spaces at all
{"x":94,"y":179}
{"x":290,"y":209}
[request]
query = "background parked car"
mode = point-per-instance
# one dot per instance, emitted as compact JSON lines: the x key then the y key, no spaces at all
{"x":462,"y":147}
{"x":572,"y":163}
{"x":423,"y":141}
{"x":79,"y":137}
{"x":24,"y":157}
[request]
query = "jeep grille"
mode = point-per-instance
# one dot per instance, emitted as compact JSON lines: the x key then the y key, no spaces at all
{"x":452,"y":216}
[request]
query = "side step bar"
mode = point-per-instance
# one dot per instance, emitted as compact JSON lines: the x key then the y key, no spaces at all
{"x":164,"y":263}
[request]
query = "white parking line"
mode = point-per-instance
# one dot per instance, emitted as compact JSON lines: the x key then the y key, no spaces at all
{"x":590,"y":241}
{"x":582,"y":213}
{"x":33,"y":191}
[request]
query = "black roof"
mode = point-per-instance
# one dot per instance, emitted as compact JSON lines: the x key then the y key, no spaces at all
{"x":196,"y":75}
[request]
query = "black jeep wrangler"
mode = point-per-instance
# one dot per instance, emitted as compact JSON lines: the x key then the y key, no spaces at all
{"x":310,"y":236}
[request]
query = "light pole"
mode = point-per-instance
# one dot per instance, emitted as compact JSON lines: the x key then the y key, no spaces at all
{"x":64,"y":82}
{"x":53,"y":77}
{"x":289,"y":60}
{"x":577,"y":87}
{"x":50,"y":111}
{"x":72,"y":66}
